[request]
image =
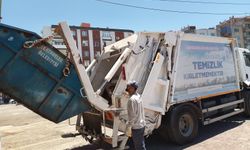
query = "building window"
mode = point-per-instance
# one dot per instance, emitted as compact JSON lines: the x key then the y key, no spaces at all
{"x":248,"y":46}
{"x":248,"y":33}
{"x":58,"y":43}
{"x":86,"y":53}
{"x":248,"y":26}
{"x":84,"y":33}
{"x":106,"y":35}
{"x":97,"y":44}
{"x":212,"y":34}
{"x":117,"y":38}
{"x":236,"y":30}
{"x":85,"y":43}
{"x":237,"y":38}
{"x":129,"y":34}
{"x":73,"y":33}
{"x":86,"y":63}
{"x":97,"y":53}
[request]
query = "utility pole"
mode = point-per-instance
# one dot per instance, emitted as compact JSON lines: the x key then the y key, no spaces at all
{"x":1,"y":94}
{"x":0,"y":11}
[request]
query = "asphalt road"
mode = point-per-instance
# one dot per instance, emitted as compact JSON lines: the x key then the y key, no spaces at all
{"x":22,"y":129}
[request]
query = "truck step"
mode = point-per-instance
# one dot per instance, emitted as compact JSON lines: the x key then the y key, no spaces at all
{"x":237,"y":111}
{"x":222,"y":106}
{"x":121,"y":138}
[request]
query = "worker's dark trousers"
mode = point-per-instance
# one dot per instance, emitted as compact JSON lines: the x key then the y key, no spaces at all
{"x":138,"y":138}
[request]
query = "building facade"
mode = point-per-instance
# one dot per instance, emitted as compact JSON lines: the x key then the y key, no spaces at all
{"x":193,"y":30}
{"x":189,"y":29}
{"x":207,"y":32}
{"x":238,"y":28}
{"x":89,"y":40}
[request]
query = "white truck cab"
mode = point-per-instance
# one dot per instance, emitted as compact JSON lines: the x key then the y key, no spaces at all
{"x":243,"y":58}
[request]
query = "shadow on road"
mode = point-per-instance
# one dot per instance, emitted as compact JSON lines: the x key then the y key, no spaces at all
{"x":155,"y":142}
{"x":94,"y":146}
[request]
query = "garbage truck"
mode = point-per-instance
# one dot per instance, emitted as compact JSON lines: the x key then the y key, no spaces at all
{"x":184,"y":80}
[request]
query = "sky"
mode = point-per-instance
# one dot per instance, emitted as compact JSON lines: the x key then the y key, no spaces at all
{"x":33,"y":15}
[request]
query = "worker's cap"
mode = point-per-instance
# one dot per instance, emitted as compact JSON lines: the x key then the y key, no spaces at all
{"x":133,"y":84}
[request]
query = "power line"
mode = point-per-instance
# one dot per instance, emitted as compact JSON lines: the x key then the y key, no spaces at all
{"x":203,"y":2}
{"x":168,"y":10}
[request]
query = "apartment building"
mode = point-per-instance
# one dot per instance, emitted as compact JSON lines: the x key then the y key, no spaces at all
{"x":238,"y":28}
{"x":89,"y":40}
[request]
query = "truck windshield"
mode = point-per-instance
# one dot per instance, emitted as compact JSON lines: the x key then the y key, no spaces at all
{"x":247,"y":58}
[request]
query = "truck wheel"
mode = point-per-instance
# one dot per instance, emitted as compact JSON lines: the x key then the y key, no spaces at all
{"x":246,"y":96}
{"x":163,"y":130}
{"x":183,"y":125}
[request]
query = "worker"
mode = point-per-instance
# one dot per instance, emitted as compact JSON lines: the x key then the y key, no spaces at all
{"x":136,"y":119}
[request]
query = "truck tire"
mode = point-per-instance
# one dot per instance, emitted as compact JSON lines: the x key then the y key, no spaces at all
{"x":183,"y":124}
{"x":246,"y":96}
{"x":163,"y":129}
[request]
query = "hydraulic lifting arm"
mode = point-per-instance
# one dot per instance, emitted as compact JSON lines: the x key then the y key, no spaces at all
{"x":95,"y":100}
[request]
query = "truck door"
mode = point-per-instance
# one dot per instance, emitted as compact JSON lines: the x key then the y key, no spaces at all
{"x":246,"y":66}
